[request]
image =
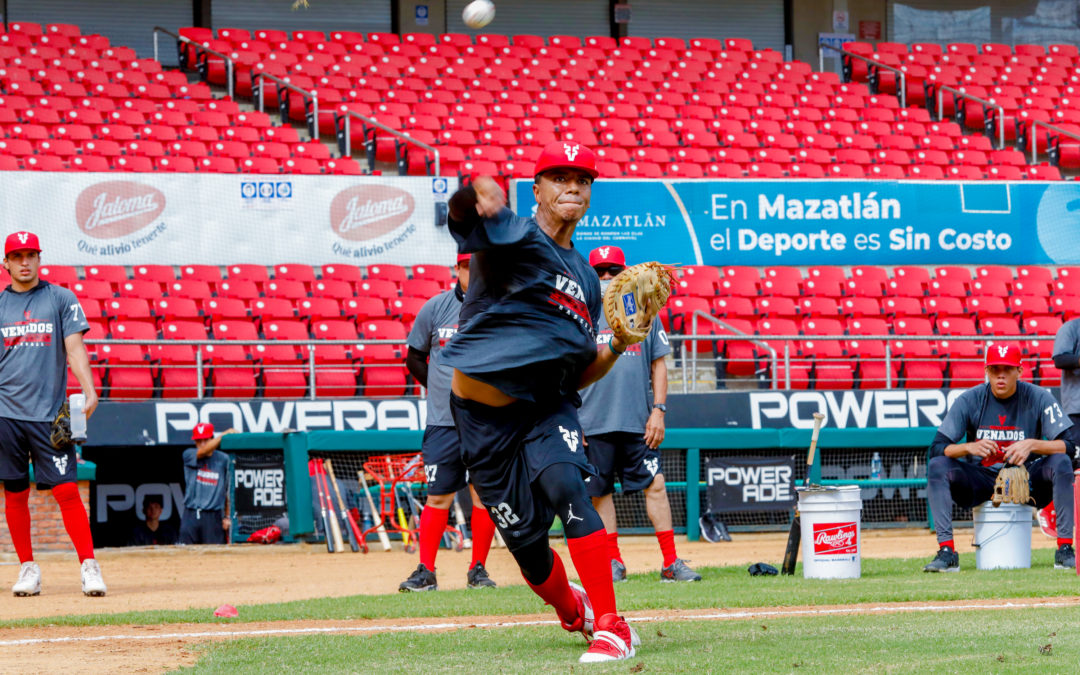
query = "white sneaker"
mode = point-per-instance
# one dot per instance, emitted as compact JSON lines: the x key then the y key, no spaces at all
{"x":29,"y":582}
{"x":92,"y":583}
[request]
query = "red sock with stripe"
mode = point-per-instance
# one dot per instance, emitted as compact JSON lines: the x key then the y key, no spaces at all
{"x":593,"y":564}
{"x":76,"y":522}
{"x":483,"y":530}
{"x":17,"y":511}
{"x":1062,"y":542}
{"x":667,"y":546}
{"x":432,"y":526}
{"x":556,"y":591}
{"x":613,"y":546}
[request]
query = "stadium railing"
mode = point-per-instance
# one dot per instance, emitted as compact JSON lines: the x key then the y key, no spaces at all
{"x":202,"y":53}
{"x":311,"y":99}
{"x":939,"y":97}
{"x":901,"y":76}
{"x":343,"y":124}
{"x":1052,"y":139}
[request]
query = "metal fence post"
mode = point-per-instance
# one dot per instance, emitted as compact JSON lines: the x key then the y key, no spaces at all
{"x":199,"y":373}
{"x":311,"y":372}
{"x":693,"y":493}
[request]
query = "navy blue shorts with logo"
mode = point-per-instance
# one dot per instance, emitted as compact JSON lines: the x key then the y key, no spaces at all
{"x":506,"y":449}
{"x":446,"y":473}
{"x":621,"y":456}
{"x":22,"y":441}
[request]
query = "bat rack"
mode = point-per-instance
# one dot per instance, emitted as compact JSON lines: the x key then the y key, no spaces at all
{"x":394,"y":473}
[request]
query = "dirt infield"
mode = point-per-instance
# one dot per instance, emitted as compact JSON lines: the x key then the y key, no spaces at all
{"x":206,"y":577}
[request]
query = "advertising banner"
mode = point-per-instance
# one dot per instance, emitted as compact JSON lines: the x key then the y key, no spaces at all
{"x":218,"y":219}
{"x":830,"y":222}
{"x":258,"y":491}
{"x":750,"y":483}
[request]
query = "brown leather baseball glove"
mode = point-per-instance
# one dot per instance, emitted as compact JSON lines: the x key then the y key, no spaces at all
{"x":635,"y":297}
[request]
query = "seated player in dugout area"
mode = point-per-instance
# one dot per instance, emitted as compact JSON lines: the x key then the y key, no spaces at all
{"x":1003,"y":422}
{"x":525,"y":345}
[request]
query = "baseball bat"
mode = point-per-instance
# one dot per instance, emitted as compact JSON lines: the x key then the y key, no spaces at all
{"x":794,"y":537}
{"x":459,"y":517}
{"x":347,"y":522}
{"x":335,"y":525}
{"x":322,"y":507}
{"x":1076,"y":509}
{"x":376,"y":517}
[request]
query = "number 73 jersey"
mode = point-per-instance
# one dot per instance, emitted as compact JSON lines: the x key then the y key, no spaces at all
{"x":33,"y":366}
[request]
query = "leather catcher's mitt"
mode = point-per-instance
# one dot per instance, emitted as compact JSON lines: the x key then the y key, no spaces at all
{"x":1012,"y":486}
{"x":634,"y":297}
{"x":60,"y":437}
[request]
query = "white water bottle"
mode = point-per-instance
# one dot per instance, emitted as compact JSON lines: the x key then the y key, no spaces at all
{"x":876,"y":467}
{"x":77,"y":403}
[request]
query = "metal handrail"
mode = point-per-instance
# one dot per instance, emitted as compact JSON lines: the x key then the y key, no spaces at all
{"x":900,"y":74}
{"x":726,"y":326}
{"x":256,"y":89}
{"x":986,"y":104}
{"x":198,"y":47}
{"x":347,"y":116}
{"x":1035,"y":124}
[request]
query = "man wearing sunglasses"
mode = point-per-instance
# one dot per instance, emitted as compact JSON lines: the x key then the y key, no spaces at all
{"x":623,"y":431}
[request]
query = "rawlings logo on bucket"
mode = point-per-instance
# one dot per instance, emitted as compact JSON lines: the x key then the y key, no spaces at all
{"x":835,"y":539}
{"x":369,"y":211}
{"x":117,"y":208}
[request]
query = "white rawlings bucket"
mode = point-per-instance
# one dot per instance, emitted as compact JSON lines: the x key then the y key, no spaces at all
{"x":1002,"y":536}
{"x":831,"y":525}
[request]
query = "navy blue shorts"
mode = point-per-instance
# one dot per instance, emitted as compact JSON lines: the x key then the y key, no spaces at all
{"x":621,"y":456}
{"x":506,"y":448}
{"x":446,"y":473}
{"x":22,"y":441}
{"x":202,"y":527}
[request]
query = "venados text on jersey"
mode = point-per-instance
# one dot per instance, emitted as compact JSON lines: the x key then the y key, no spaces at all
{"x":999,"y":435}
{"x":26,"y":329}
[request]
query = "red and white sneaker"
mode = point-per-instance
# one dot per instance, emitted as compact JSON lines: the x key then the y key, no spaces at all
{"x":584,"y":622}
{"x":1048,"y":520}
{"x":614,"y":640}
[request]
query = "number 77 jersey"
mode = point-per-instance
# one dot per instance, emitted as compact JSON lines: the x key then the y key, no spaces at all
{"x":33,"y":366}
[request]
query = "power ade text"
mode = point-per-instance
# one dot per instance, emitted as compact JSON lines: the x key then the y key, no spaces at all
{"x":757,"y":483}
{"x":267,"y":485}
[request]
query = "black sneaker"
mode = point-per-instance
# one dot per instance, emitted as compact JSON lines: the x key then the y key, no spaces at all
{"x":946,"y":560}
{"x":422,"y":579}
{"x":1065,"y":558}
{"x":678,"y":571}
{"x":618,"y":571}
{"x":478,"y":577}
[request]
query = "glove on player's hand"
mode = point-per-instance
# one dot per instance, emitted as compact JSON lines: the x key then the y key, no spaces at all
{"x":60,"y":437}
{"x":635,"y":297}
{"x":1012,"y":486}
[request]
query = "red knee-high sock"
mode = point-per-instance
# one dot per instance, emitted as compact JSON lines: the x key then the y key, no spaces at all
{"x":556,"y":591}
{"x":483,"y":530}
{"x":17,"y":510}
{"x":593,"y":564}
{"x":613,"y":546}
{"x":432,"y":526}
{"x":76,"y":522}
{"x":667,"y":546}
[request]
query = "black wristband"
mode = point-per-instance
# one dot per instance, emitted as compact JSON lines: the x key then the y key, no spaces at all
{"x":611,"y":346}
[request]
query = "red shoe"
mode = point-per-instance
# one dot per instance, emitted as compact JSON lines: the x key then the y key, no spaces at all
{"x":614,"y":640}
{"x":1048,"y":520}
{"x":584,"y":622}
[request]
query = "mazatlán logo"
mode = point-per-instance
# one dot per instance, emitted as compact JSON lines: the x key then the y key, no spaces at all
{"x":116,"y":208}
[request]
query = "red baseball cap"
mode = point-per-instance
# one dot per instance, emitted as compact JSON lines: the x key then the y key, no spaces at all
{"x":463,"y":257}
{"x":1003,"y":355}
{"x":19,"y":240}
{"x":607,"y":255}
{"x":202,"y":431}
{"x":562,"y":154}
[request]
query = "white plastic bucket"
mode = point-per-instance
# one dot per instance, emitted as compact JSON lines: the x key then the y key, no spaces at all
{"x":1002,"y":536}
{"x":831,"y":520}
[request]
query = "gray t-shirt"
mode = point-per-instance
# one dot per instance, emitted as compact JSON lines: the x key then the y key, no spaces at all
{"x":435,"y":324}
{"x":1067,"y":341}
{"x":33,"y":367}
{"x":206,"y":480}
{"x":1032,"y":412}
{"x":619,"y":401}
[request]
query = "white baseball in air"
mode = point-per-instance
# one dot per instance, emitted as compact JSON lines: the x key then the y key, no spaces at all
{"x":478,"y":13}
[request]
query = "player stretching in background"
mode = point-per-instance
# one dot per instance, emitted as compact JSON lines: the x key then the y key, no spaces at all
{"x":623,"y":431}
{"x":43,"y":328}
{"x":436,"y":322}
{"x":525,"y":344}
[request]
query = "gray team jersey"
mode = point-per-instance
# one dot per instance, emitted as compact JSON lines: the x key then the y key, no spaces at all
{"x":1032,"y":412}
{"x":33,"y":367}
{"x":620,"y":400}
{"x":435,"y":324}
{"x":206,"y":480}
{"x":1068,"y":342}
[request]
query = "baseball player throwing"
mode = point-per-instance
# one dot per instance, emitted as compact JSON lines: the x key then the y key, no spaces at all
{"x":623,"y":431}
{"x":1004,"y":421}
{"x":435,"y":324}
{"x":525,"y":345}
{"x":43,"y":328}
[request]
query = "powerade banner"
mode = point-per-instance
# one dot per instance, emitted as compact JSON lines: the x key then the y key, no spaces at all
{"x":219,"y":219}
{"x":830,"y":222}
{"x":750,"y":483}
{"x":258,"y":490}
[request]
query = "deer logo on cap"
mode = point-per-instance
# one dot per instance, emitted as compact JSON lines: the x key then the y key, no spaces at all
{"x":1003,"y":350}
{"x":23,"y":236}
{"x":604,"y":251}
{"x":571,"y":151}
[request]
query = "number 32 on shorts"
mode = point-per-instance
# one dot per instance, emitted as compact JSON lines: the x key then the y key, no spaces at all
{"x":504,"y":516}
